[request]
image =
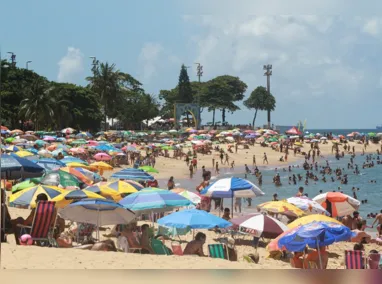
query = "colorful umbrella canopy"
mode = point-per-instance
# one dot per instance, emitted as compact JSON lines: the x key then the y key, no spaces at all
{"x":232,"y":187}
{"x":23,"y":185}
{"x":314,"y":235}
{"x":102,"y":157}
{"x":61,"y":178}
{"x":50,"y":164}
{"x":337,"y":203}
{"x":23,"y":154}
{"x":312,"y":218}
{"x":28,"y":196}
{"x":281,"y":207}
{"x":14,"y":167}
{"x":307,"y":205}
{"x":77,"y":174}
{"x":149,"y":169}
{"x":78,"y":165}
{"x":94,"y":177}
{"x":99,"y":212}
{"x":102,"y":166}
{"x":69,"y":159}
{"x":259,"y":225}
{"x":194,"y":198}
{"x":193,"y":219}
{"x":70,"y":196}
{"x":135,"y":184}
{"x":154,"y":200}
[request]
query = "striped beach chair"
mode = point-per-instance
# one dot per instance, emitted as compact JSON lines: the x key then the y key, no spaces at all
{"x":218,"y":251}
{"x":354,"y":259}
{"x":44,"y":222}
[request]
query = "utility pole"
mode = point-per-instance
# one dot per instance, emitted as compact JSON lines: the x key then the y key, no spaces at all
{"x":13,"y":58}
{"x":268,"y":72}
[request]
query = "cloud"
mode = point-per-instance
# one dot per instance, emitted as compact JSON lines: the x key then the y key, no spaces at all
{"x":371,"y":26}
{"x":71,"y":65}
{"x":148,"y":59}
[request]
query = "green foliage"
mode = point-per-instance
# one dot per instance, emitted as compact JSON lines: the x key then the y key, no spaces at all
{"x":185,"y":94}
{"x":260,"y":100}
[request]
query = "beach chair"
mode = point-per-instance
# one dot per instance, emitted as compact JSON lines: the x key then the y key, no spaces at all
{"x":374,"y":261}
{"x":44,"y":222}
{"x":354,"y":259}
{"x":133,"y":243}
{"x":176,"y":248}
{"x":84,"y":232}
{"x":159,"y":248}
{"x":218,"y":251}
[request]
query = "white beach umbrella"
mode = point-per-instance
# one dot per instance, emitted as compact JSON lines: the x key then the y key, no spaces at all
{"x":307,"y":205}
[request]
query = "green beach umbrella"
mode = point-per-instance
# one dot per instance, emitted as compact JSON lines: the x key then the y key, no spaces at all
{"x":23,"y":185}
{"x":9,"y":140}
{"x":149,"y":169}
{"x":371,"y":134}
{"x":58,"y":177}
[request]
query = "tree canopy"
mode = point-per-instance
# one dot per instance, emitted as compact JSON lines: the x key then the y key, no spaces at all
{"x":260,"y":100}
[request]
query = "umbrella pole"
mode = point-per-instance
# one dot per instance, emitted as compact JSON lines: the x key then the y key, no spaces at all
{"x":232,"y":205}
{"x":319,"y":254}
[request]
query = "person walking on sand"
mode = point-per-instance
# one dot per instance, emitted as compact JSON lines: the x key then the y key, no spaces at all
{"x":213,"y":162}
{"x":232,"y":164}
{"x":265,"y":158}
{"x":254,"y":161}
{"x":217,"y":168}
{"x":191,"y":168}
{"x":227,"y":158}
{"x":221,"y":158}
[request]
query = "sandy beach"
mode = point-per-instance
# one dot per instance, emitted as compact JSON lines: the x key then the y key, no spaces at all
{"x":33,"y":257}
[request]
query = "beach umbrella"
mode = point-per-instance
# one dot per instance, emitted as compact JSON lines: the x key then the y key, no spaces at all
{"x":149,"y":169}
{"x":50,"y":164}
{"x":102,"y":166}
{"x":40,"y":143}
{"x":259,"y":225}
{"x":194,"y":198}
{"x":29,"y":137}
{"x":78,"y":175}
{"x":307,"y":205}
{"x":99,"y":212}
{"x":68,"y":130}
{"x":232,"y":187}
{"x":14,"y":167}
{"x":312,"y":218}
{"x":193,"y":219}
{"x":24,"y":154}
{"x":154,"y":200}
{"x":281,"y":207}
{"x":337,"y":203}
{"x":12,"y":148}
{"x":90,"y":175}
{"x":28,"y":196}
{"x":70,"y":196}
{"x":102,"y":157}
{"x":23,"y":185}
{"x":80,"y":165}
{"x":314,"y":235}
{"x":61,"y":178}
{"x":113,"y":189}
{"x":69,"y":159}
{"x":45,"y":153}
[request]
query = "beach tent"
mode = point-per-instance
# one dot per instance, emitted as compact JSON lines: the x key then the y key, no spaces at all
{"x":293,"y":131}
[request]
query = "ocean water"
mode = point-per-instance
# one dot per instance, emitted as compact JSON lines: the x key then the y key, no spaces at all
{"x":370,"y":191}
{"x":334,"y":131}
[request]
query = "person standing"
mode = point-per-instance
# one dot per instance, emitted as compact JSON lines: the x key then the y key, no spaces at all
{"x":171,"y":183}
{"x":217,"y":168}
{"x":253,"y":161}
{"x":265,"y":158}
{"x":191,"y":168}
{"x":238,"y":204}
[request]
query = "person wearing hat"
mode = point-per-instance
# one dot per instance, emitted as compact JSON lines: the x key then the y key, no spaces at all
{"x":232,"y":253}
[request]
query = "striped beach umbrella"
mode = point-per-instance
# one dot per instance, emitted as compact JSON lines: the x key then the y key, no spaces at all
{"x":27,"y":197}
{"x":281,"y":207}
{"x":307,"y":205}
{"x":232,"y":187}
{"x":113,"y":189}
{"x":337,"y":203}
{"x":77,"y":174}
{"x":70,"y":196}
{"x":259,"y":225}
{"x":154,"y":200}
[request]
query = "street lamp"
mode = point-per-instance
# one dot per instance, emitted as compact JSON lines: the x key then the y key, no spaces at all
{"x":28,"y":63}
{"x":13,"y":57}
{"x":268,"y":72}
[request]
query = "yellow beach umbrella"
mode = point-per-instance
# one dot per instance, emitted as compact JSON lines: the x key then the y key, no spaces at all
{"x":112,"y":189}
{"x":23,"y":154}
{"x":70,"y":196}
{"x":78,"y":165}
{"x":102,"y":166}
{"x":312,"y":218}
{"x":27,"y":197}
{"x":281,"y":207}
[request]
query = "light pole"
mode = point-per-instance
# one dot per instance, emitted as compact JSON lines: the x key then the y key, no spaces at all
{"x":13,"y":58}
{"x":268,"y":72}
{"x":199,"y":73}
{"x":27,"y":63}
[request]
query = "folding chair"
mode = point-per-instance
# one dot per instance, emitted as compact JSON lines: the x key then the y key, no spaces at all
{"x":133,"y":243}
{"x":44,"y":222}
{"x":159,"y":248}
{"x":218,"y":251}
{"x":354,"y":259}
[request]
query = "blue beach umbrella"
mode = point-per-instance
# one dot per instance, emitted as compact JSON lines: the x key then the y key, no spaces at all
{"x":154,"y":200}
{"x":315,"y":235}
{"x":232,"y":187}
{"x":14,"y":167}
{"x":193,"y":219}
{"x":28,"y":196}
{"x":50,"y":164}
{"x":132,"y":177}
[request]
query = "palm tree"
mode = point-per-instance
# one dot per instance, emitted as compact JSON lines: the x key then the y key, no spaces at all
{"x":38,"y":104}
{"x":106,"y":83}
